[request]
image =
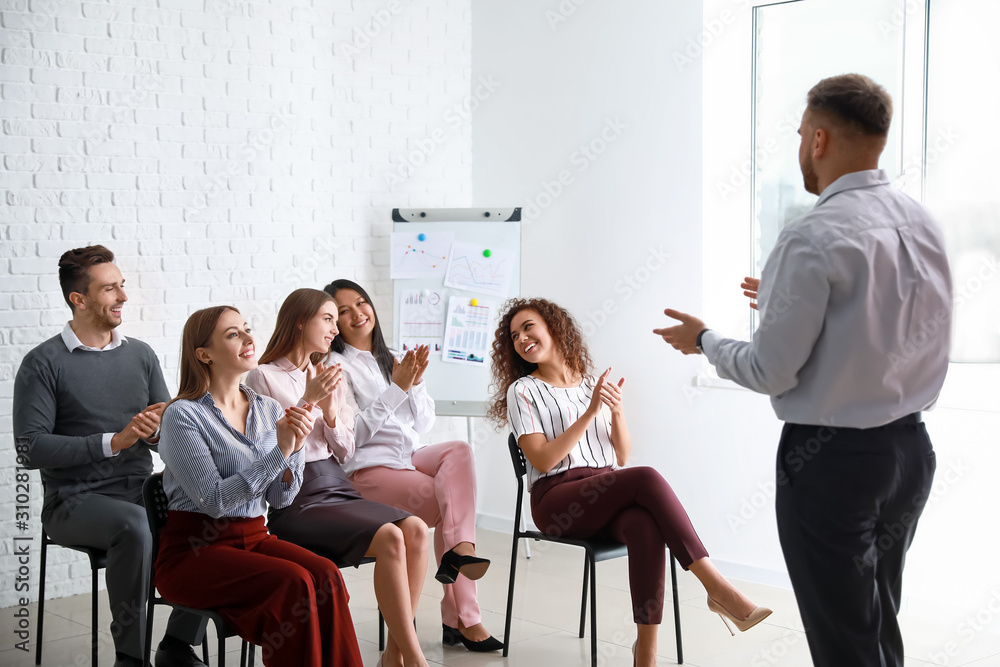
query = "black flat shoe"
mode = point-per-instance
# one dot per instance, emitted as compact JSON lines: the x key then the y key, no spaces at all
{"x":469,"y":566}
{"x":173,"y":652}
{"x":453,"y":637}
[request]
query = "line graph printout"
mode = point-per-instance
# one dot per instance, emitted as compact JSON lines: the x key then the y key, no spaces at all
{"x":467,"y":334}
{"x":475,"y":268}
{"x":421,"y":319}
{"x":419,"y":255}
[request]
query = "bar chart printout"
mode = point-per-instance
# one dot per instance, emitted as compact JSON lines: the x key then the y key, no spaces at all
{"x":421,"y":319}
{"x":468,"y":331}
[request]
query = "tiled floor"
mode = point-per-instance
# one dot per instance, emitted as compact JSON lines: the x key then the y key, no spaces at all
{"x":546,"y":618}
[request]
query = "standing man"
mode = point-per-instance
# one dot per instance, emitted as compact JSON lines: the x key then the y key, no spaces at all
{"x":87,"y":405}
{"x":855,"y":309}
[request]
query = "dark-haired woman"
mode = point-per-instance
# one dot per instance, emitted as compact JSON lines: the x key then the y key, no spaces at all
{"x":571,"y":428}
{"x":437,"y":483}
{"x":328,"y":514}
{"x":229,"y":451}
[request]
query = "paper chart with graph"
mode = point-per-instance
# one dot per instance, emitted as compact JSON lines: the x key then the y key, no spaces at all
{"x":423,"y":255}
{"x":421,"y":319}
{"x":478,"y":269}
{"x":468,"y":331}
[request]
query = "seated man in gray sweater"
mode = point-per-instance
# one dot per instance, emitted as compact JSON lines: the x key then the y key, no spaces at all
{"x":87,"y":406}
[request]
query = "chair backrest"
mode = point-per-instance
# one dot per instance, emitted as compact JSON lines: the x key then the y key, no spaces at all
{"x":155,"y":500}
{"x":516,"y":456}
{"x":517,"y":460}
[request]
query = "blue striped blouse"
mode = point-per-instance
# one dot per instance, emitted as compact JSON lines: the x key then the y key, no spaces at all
{"x":214,"y":469}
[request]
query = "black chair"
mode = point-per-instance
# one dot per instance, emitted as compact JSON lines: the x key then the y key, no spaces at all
{"x":98,"y":560}
{"x":596,"y":549}
{"x":155,"y":500}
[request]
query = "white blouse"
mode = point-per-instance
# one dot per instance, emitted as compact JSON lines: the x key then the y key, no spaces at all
{"x":389,"y":421}
{"x":535,"y":406}
{"x":285,"y":382}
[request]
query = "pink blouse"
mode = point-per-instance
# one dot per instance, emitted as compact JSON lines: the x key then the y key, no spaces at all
{"x":285,"y":383}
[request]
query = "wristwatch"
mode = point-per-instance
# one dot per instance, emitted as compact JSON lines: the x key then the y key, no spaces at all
{"x":697,"y":341}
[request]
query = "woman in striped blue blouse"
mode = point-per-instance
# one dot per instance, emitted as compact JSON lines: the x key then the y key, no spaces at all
{"x":229,"y":452}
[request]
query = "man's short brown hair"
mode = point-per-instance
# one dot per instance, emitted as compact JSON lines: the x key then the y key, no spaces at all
{"x":855,"y":99}
{"x":74,"y":268}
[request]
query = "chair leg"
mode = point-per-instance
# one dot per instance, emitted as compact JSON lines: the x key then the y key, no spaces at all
{"x":41,"y":600}
{"x":381,"y":630}
{"x":253,"y":647}
{"x":243,"y":653}
{"x":510,"y":596}
{"x":677,"y":609}
{"x":593,"y":610}
{"x":93,"y":614}
{"x":222,"y":647}
{"x":583,"y":603}
{"x":204,"y":647}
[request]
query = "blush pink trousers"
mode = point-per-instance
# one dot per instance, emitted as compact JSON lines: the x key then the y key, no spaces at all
{"x":442,"y":492}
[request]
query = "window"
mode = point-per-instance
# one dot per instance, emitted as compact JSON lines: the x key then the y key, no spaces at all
{"x":938,"y":66}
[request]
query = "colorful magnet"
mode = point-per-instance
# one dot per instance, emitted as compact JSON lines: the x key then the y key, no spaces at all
{"x":487,"y":252}
{"x":421,"y":237}
{"x":474,"y":302}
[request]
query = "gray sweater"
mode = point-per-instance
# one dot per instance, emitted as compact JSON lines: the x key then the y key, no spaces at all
{"x":64,"y":403}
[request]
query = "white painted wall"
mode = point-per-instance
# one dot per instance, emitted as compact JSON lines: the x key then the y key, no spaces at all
{"x":622,"y":240}
{"x":227,"y":151}
{"x":655,"y":67}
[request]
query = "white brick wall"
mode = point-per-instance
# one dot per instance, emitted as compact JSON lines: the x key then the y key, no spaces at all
{"x":225,"y":150}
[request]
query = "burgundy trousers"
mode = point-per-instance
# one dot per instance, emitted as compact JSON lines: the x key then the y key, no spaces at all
{"x":632,"y":505}
{"x":289,"y":601}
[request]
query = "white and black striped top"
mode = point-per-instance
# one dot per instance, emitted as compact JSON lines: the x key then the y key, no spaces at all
{"x":535,"y":406}
{"x":214,"y":469}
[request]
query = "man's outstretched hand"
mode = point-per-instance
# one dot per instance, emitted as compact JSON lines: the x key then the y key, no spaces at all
{"x":683,"y":336}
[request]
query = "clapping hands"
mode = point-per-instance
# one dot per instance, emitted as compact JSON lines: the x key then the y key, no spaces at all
{"x":320,"y":386}
{"x":293,"y":428}
{"x":607,"y":393}
{"x":410,"y":370}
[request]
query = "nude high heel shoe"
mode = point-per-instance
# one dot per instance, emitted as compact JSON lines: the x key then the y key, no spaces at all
{"x":755,"y":617}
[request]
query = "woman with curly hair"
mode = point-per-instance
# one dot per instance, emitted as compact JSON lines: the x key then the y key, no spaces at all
{"x":572,"y":430}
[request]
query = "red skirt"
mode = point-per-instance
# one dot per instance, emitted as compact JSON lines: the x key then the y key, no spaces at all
{"x":286,"y":599}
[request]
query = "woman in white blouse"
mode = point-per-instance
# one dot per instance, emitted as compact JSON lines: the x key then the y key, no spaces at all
{"x":437,"y":483}
{"x":572,"y":430}
{"x":328,"y":515}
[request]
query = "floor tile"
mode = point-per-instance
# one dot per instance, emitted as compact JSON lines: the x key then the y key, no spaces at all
{"x":546,"y":617}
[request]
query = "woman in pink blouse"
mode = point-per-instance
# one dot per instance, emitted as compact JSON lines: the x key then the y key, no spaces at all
{"x":328,"y":515}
